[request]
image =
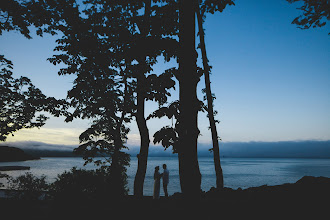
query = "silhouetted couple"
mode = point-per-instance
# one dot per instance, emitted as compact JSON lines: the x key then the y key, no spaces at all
{"x":157,"y":177}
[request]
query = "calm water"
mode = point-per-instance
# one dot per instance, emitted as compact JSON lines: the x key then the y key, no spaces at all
{"x":238,"y":172}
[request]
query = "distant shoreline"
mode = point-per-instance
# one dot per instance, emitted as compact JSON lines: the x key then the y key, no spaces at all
{"x":175,"y":156}
{"x":10,"y":168}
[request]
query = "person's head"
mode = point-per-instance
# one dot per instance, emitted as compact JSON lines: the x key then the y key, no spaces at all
{"x":156,"y":168}
{"x":164,"y":166}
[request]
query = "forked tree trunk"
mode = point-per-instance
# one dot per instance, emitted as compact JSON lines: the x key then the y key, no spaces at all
{"x":215,"y":138}
{"x":190,"y":177}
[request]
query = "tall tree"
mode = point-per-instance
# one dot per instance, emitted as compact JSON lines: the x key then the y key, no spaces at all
{"x":183,"y":136}
{"x":144,"y":27}
{"x":122,"y":34}
{"x":210,"y":97}
{"x":155,"y":39}
{"x":190,"y":176}
{"x":200,"y":12}
{"x":95,"y":52}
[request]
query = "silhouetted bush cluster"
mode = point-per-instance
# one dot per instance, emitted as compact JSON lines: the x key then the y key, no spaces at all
{"x":80,"y":184}
{"x":73,"y":185}
{"x":2,"y":176}
{"x":27,"y":187}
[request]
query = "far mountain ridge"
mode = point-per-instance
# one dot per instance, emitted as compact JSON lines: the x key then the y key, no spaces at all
{"x":280,"y":149}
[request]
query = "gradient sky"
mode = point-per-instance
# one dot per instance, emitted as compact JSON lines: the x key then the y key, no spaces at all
{"x":271,"y":79}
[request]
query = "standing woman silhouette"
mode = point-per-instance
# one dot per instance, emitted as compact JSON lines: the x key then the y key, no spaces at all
{"x":157,"y":177}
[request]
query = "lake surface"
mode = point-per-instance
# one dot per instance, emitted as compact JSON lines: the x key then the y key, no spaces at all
{"x":238,"y":172}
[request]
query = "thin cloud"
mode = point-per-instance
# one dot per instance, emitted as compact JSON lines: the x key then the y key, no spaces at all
{"x":64,"y":136}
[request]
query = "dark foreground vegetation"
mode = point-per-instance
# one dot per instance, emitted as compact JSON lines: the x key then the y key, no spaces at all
{"x":308,"y":197}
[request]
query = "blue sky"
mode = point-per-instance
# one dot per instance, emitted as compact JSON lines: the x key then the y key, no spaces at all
{"x":271,"y":79}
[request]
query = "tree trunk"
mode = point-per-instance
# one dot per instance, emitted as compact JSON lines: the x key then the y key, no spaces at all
{"x":215,"y":140}
{"x":190,"y":177}
{"x":140,"y":118}
{"x":144,"y":138}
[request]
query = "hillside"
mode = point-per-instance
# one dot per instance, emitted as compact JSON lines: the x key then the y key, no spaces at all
{"x":11,"y":154}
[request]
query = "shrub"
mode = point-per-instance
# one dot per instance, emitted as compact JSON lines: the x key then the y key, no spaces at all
{"x":2,"y":175}
{"x":81,"y":185}
{"x":27,"y":186}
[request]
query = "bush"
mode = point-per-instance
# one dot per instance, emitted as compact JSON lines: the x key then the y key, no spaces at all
{"x":3,"y":176}
{"x":81,"y":185}
{"x":27,"y":186}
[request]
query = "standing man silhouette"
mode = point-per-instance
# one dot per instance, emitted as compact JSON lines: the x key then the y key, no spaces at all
{"x":166,"y":178}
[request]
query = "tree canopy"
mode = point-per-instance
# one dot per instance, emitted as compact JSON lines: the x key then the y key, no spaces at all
{"x":20,"y":100}
{"x":112,"y":47}
{"x":314,"y":13}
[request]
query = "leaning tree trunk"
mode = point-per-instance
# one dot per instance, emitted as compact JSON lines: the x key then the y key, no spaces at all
{"x":140,"y":118}
{"x":210,"y":111}
{"x":190,"y":177}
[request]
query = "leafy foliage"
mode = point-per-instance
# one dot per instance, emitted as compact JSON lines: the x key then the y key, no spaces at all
{"x":157,"y":87}
{"x":172,"y":110}
{"x":315,"y":14}
{"x":27,"y":186}
{"x":80,"y":184}
{"x":212,"y":6}
{"x":106,"y":152}
{"x":167,"y":136}
{"x":1,"y":177}
{"x":111,"y":47}
{"x":16,"y":15}
{"x":20,"y":101}
{"x":95,"y":48}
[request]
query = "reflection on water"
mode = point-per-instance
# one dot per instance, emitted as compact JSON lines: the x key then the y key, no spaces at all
{"x":238,"y":172}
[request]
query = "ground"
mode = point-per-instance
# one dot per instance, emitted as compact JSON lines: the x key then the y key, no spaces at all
{"x":308,"y":198}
